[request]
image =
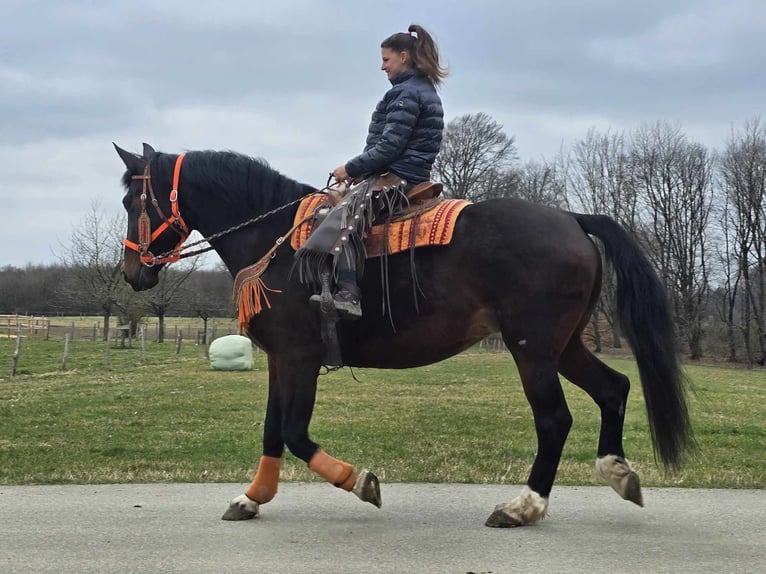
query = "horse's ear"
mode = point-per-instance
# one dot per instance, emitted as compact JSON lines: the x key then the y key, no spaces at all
{"x":133,"y":162}
{"x":148,"y":151}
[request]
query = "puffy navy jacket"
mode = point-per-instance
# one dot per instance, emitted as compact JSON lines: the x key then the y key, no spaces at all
{"x":405,"y":132}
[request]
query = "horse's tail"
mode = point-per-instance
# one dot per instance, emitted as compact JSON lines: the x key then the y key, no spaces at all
{"x":645,"y":320}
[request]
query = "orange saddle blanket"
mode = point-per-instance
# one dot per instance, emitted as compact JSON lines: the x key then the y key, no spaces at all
{"x":432,"y":227}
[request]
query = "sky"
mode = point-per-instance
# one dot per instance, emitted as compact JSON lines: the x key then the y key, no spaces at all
{"x":294,"y":82}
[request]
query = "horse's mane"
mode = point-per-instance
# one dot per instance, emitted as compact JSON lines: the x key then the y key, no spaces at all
{"x":239,"y":177}
{"x":233,"y":177}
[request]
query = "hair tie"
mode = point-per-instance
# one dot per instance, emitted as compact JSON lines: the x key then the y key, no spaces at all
{"x":413,"y":34}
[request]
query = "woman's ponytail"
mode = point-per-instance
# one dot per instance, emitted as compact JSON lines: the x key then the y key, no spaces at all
{"x":422,"y":49}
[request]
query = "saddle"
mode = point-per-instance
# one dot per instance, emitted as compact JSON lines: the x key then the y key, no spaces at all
{"x":424,"y":191}
{"x":426,"y":221}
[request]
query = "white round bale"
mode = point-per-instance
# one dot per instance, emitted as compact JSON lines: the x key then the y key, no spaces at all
{"x":231,"y":353}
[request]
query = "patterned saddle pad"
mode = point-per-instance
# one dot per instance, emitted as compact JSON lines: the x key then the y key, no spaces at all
{"x":434,"y":225}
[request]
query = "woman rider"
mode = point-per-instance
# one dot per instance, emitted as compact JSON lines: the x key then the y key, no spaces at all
{"x":404,"y":138}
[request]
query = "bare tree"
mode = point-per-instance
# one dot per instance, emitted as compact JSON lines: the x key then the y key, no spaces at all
{"x":536,"y":181}
{"x":743,"y":170}
{"x":544,"y":182}
{"x":730,"y":274}
{"x":94,"y":260}
{"x":601,"y":181}
{"x":209,"y":295}
{"x":168,"y":292}
{"x":674,"y":177}
{"x":601,"y":177}
{"x":474,"y":151}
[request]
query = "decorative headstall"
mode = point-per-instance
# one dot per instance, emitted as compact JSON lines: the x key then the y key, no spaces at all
{"x":175,"y":222}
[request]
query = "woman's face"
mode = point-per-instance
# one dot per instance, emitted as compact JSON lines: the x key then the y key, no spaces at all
{"x":394,"y":62}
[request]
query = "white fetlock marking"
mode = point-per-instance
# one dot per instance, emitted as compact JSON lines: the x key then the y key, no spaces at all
{"x":527,"y":508}
{"x":244,"y":502}
{"x":359,"y":484}
{"x":615,"y":471}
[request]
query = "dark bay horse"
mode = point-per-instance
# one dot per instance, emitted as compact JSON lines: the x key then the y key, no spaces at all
{"x":527,"y":271}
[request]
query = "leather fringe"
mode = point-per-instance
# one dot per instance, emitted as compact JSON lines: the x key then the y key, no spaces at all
{"x":249,"y":288}
{"x":250,"y":300}
{"x":338,"y":242}
{"x":250,"y":292}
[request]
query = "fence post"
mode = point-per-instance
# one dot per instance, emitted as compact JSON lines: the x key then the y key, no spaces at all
{"x":108,"y":346}
{"x":207,"y":343}
{"x":143,"y":344}
{"x":17,"y":352}
{"x":179,"y":337}
{"x":66,"y":351}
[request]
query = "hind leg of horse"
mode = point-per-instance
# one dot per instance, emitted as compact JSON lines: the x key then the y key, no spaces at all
{"x":552,"y":423}
{"x":609,"y":389}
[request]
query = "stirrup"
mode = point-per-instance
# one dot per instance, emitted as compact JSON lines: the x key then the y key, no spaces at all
{"x":329,"y":315}
{"x":347,"y":305}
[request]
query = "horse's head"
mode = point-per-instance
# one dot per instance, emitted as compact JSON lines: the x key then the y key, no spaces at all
{"x":152,"y":239}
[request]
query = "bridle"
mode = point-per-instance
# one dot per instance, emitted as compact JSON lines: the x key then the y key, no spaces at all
{"x":175,"y":222}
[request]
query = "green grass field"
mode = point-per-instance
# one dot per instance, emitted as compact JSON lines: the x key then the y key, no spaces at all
{"x":462,"y":420}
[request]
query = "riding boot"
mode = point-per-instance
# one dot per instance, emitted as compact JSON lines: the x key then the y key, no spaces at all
{"x":348,"y":300}
{"x":347,"y":296}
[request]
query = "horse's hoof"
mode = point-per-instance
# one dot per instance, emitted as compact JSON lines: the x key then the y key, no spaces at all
{"x":619,"y":474}
{"x":633,"y":489}
{"x":501,"y":518}
{"x":241,"y":508}
{"x":367,"y":488}
{"x":527,"y":508}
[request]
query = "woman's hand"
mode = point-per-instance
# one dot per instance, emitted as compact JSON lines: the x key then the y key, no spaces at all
{"x":340,"y":174}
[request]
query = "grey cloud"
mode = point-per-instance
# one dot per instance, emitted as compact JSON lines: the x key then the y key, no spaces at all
{"x":294,"y":81}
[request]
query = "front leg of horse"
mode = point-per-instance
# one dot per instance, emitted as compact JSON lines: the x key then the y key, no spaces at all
{"x":261,"y":490}
{"x":241,"y":508}
{"x":364,"y":485}
{"x":266,"y":481}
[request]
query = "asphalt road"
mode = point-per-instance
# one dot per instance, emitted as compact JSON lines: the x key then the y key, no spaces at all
{"x":422,"y":528}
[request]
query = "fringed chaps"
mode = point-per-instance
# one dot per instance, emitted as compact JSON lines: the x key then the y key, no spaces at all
{"x":337,"y":241}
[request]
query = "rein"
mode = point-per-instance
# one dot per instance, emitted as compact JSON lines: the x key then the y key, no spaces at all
{"x":175,"y":222}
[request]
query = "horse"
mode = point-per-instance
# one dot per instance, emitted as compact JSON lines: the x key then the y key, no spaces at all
{"x":530,"y":272}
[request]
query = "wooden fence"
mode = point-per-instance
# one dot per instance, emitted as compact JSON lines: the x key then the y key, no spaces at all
{"x":92,"y":328}
{"x":25,"y":325}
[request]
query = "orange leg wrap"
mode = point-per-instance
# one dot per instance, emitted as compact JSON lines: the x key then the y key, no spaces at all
{"x":335,"y":471}
{"x":264,"y":486}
